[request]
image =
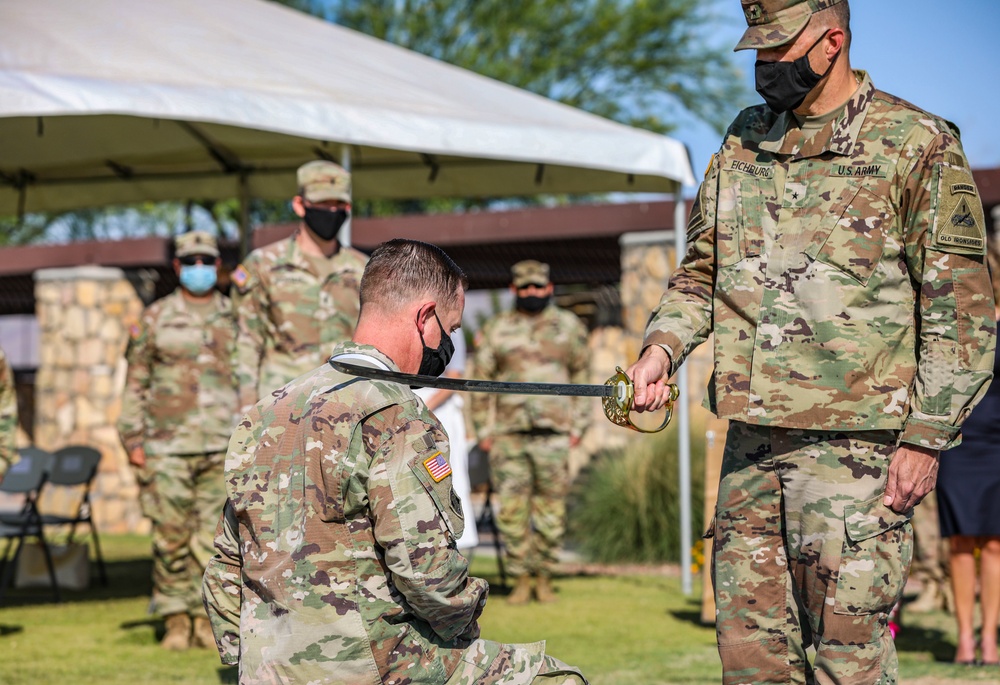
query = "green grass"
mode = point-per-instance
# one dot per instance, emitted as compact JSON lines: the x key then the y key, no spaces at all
{"x":631,"y":629}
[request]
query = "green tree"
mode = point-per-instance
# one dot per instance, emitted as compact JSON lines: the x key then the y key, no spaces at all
{"x":641,"y":62}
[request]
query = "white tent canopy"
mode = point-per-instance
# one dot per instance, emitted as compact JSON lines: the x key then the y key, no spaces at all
{"x":118,"y":101}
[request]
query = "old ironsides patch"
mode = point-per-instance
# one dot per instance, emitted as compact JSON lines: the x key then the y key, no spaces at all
{"x":960,"y":224}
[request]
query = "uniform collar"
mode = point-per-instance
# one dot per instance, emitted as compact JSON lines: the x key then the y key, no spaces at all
{"x":356,"y":350}
{"x":294,"y":256}
{"x":839,"y":136}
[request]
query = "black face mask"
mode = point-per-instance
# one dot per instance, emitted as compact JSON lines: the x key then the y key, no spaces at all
{"x":785,"y":85}
{"x":434,"y":360}
{"x":532,"y":303}
{"x":325,"y":222}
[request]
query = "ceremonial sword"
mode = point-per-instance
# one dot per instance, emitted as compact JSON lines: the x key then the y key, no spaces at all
{"x":617,"y":393}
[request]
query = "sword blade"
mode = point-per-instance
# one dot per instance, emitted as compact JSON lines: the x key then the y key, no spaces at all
{"x":476,"y":385}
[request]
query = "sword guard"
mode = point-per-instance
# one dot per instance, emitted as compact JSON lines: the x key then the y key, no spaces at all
{"x":619,"y":407}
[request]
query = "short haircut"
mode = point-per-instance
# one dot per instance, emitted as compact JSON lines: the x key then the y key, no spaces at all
{"x":400,"y":270}
{"x":838,"y":16}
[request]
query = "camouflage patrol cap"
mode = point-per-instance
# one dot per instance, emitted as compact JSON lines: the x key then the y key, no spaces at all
{"x":773,"y":23}
{"x":196,"y":243}
{"x":529,"y":272}
{"x":322,"y":180}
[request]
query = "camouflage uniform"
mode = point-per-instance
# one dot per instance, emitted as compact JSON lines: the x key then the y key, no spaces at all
{"x":180,"y":407}
{"x":336,"y":555}
{"x":531,"y":433}
{"x":291,"y":310}
{"x":8,"y":416}
{"x":843,"y":275}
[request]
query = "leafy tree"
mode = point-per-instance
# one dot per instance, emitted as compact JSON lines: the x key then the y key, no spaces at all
{"x":640,"y":62}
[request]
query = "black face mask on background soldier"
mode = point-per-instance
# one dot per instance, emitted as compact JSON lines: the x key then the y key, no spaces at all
{"x":435,"y":359}
{"x":532,"y":303}
{"x":785,"y":85}
{"x":325,"y":222}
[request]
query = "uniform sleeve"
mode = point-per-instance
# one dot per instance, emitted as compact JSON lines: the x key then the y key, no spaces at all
{"x":139,"y":355}
{"x":8,"y":416}
{"x":222,"y":587}
{"x":481,"y":404}
{"x":946,"y":255}
{"x":579,"y":374}
{"x":410,"y":515}
{"x":250,"y":306}
{"x":683,"y":318}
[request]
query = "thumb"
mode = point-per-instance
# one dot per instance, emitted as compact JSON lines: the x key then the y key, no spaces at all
{"x":890,"y":489}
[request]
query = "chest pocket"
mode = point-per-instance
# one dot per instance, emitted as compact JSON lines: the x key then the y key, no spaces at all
{"x":851,"y":236}
{"x":739,"y":219}
{"x":293,"y":298}
{"x":441,"y":491}
{"x":178,"y":342}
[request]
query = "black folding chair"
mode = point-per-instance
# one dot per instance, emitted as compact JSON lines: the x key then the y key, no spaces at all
{"x":75,"y":467}
{"x":26,"y":478}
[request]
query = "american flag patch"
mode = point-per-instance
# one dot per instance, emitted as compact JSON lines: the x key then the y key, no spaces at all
{"x":438,"y":467}
{"x":135,"y":330}
{"x":240,"y":276}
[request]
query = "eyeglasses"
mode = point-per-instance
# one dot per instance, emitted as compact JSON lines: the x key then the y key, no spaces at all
{"x":191,"y":260}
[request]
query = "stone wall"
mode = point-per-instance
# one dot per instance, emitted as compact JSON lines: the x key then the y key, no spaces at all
{"x":82,"y":316}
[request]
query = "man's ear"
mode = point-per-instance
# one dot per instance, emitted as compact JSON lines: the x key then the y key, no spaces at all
{"x":298,"y":206}
{"x":425,"y":313}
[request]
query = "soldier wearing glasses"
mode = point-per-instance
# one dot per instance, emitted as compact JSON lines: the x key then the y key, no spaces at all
{"x":178,"y":412}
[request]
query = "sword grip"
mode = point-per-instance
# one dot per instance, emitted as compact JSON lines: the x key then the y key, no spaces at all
{"x":618,"y":408}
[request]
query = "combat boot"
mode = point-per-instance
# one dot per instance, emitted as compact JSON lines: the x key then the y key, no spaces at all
{"x":202,"y":636}
{"x":178,"y":637}
{"x":543,"y":590}
{"x":522,"y":591}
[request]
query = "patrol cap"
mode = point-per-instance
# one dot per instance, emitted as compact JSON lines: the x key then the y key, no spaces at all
{"x":529,"y":272}
{"x":322,"y":180}
{"x":773,"y":23}
{"x":196,"y":243}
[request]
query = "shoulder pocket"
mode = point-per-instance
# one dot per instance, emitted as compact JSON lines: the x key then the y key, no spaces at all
{"x":851,"y":238}
{"x":433,"y":470}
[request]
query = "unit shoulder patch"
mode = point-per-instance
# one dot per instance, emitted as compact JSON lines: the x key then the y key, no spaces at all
{"x":960,"y":224}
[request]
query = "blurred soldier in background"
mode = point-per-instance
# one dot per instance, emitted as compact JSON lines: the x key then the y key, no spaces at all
{"x":8,"y":416}
{"x":528,"y":437}
{"x":297,"y":298}
{"x":178,"y":413}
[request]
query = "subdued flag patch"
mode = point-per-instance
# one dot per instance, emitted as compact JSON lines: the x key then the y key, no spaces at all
{"x":438,"y":467}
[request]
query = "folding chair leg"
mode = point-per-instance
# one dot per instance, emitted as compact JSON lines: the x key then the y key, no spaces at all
{"x":51,"y":567}
{"x":101,"y":568}
{"x":8,"y":567}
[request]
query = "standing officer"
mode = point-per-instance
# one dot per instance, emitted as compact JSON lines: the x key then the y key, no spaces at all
{"x":297,"y":298}
{"x":837,"y":252}
{"x":528,"y":437}
{"x":8,"y":416}
{"x":337,"y":558}
{"x":177,"y":415}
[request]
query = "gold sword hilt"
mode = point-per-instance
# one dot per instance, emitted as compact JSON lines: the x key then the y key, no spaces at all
{"x":618,"y":407}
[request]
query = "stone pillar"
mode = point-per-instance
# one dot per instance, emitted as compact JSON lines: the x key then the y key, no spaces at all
{"x":83,"y":314}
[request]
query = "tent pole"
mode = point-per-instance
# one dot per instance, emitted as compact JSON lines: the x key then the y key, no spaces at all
{"x":345,"y":161}
{"x":244,"y":215}
{"x":683,"y":415}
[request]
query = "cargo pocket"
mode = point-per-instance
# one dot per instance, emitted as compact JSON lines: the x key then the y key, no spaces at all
{"x":877,"y":551}
{"x":938,"y":368}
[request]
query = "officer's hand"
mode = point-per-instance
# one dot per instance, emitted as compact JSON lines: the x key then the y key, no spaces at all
{"x":912,"y":474}
{"x":486,"y":444}
{"x":649,"y":375}
{"x":137,"y":457}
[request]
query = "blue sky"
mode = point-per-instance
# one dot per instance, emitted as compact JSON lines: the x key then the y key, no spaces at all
{"x":941,"y":56}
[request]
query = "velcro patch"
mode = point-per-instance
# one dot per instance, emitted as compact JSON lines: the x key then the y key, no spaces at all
{"x":960,"y":225}
{"x":438,"y":467}
{"x":134,"y":331}
{"x":240,"y":277}
{"x":756,"y":170}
